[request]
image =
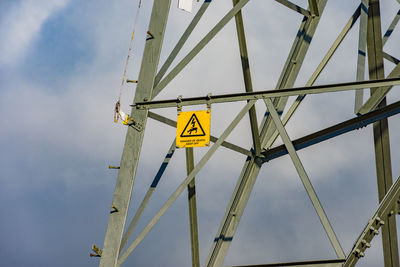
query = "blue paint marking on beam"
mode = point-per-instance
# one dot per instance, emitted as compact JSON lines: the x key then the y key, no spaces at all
{"x":306,"y":37}
{"x":388,"y":33}
{"x":364,"y":8}
{"x":266,"y":114}
{"x":162,"y":169}
{"x":223,"y":238}
{"x":360,"y":52}
{"x":391,"y":110}
{"x":395,"y":60}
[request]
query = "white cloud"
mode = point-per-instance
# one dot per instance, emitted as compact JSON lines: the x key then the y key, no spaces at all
{"x":21,"y":26}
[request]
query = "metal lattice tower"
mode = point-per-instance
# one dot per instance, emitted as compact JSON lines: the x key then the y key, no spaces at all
{"x":153,"y":79}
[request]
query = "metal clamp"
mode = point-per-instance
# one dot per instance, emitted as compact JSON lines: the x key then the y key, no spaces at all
{"x":97,"y":251}
{"x":208,"y":102}
{"x":179,"y":104}
{"x":131,"y":122}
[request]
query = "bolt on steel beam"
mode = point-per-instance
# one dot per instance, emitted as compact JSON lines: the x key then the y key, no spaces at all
{"x":383,"y":213}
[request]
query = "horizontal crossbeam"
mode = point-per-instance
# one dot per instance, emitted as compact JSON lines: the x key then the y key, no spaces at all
{"x":315,"y":263}
{"x":266,"y":94}
{"x":334,"y":131}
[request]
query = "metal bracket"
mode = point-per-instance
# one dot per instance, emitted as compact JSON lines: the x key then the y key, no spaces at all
{"x":397,"y":206}
{"x":208,"y":102}
{"x":113,"y":209}
{"x":136,"y":125}
{"x":149,"y":36}
{"x":114,"y":167}
{"x":97,"y":251}
{"x":179,"y":104}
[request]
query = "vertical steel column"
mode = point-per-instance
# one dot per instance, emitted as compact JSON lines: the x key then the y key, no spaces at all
{"x":194,"y":233}
{"x":247,"y":78}
{"x":134,"y":138}
{"x":381,"y":134}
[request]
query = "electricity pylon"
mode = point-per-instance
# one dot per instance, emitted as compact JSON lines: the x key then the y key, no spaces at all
{"x":372,"y":111}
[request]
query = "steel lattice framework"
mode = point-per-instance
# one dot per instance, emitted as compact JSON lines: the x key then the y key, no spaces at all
{"x":372,"y":111}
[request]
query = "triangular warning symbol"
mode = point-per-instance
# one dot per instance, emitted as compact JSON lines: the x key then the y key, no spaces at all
{"x":193,"y":128}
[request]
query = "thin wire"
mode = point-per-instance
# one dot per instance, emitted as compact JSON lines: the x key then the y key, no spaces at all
{"x":129,"y":51}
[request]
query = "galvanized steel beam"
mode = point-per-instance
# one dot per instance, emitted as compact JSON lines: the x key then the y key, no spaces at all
{"x":391,"y":27}
{"x":333,"y":131}
{"x":391,"y":58}
{"x":381,"y":133}
{"x":380,"y":93}
{"x":247,"y":78}
{"x":313,"y":7}
{"x":194,"y":232}
{"x":305,"y":180}
{"x":214,"y":99}
{"x":134,"y":138}
{"x":315,"y":263}
{"x":384,"y":212}
{"x":147,"y":196}
{"x":362,"y":52}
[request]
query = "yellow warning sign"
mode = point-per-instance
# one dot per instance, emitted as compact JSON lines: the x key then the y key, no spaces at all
{"x":193,"y":129}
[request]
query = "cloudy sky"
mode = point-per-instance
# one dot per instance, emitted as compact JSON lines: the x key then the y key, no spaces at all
{"x":61,"y":65}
